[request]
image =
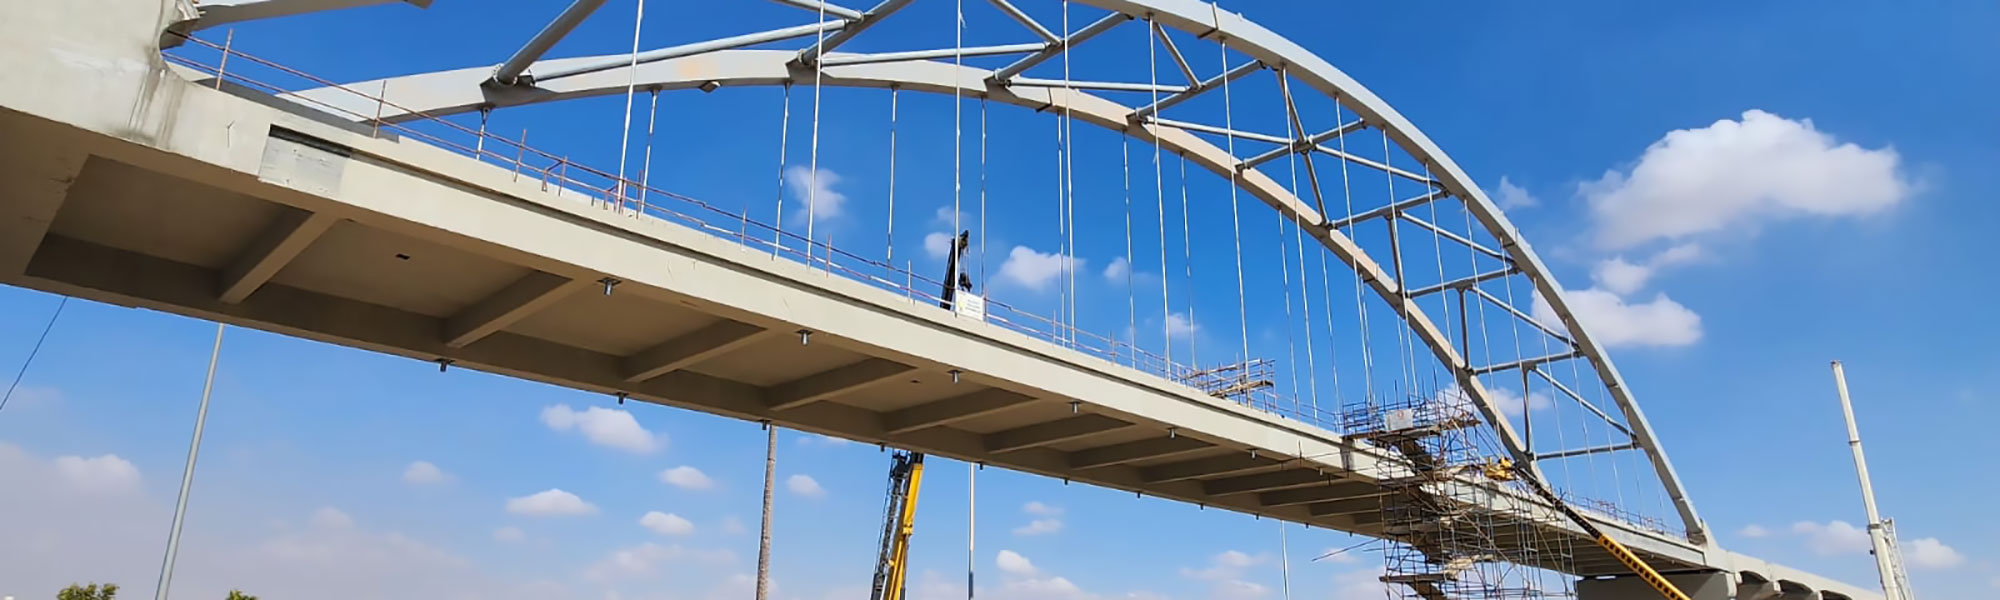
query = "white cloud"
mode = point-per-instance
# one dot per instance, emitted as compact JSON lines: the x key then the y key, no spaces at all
{"x":1754,"y":530}
{"x":509,"y":534}
{"x":804,"y":485}
{"x":1117,"y":270}
{"x":605,"y":427}
{"x":814,"y":439}
{"x":1929,"y":553}
{"x":550,"y":503}
{"x":1732,"y":173}
{"x":937,"y":244}
{"x":1835,"y":537}
{"x":732,"y":525}
{"x":1615,"y":321}
{"x":1623,"y":277}
{"x":1225,"y":573}
{"x":816,"y":197}
{"x":1013,"y":563}
{"x":687,"y":478}
{"x":1509,"y":401}
{"x":1040,"y":509}
{"x":1180,"y":325}
{"x":645,"y":559}
{"x":424,"y":473}
{"x":328,"y":517}
{"x":1510,"y":196}
{"x":1035,"y":270}
{"x":1039,"y":527}
{"x":103,"y":474}
{"x":666,"y":523}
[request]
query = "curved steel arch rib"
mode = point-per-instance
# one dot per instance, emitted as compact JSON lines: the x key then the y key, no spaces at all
{"x":458,"y":91}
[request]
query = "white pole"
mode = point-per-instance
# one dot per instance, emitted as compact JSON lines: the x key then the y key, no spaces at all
{"x":187,"y":474}
{"x":971,"y":514}
{"x":1285,"y":560}
{"x":1883,"y":560}
{"x":764,"y":532}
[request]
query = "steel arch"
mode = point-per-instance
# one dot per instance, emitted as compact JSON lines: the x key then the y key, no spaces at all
{"x":458,"y":91}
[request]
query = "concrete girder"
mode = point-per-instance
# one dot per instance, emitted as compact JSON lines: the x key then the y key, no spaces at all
{"x":952,"y":410}
{"x":282,"y":241}
{"x":833,"y":382}
{"x":691,"y":348}
{"x":1308,"y":495}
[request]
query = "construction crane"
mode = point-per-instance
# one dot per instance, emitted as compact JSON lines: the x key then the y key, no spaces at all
{"x":1505,"y":470}
{"x":906,"y":468}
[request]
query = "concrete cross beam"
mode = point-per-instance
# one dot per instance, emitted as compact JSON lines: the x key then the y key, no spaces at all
{"x":1212,"y":466}
{"x":1307,"y":495}
{"x":1347,"y":506}
{"x":832,"y":382}
{"x":691,"y":348}
{"x":952,"y":410}
{"x":1118,"y":454}
{"x":1043,"y":434}
{"x":1264,"y":481}
{"x":524,"y":297}
{"x":282,"y":241}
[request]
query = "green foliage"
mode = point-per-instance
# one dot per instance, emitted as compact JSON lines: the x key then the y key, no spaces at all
{"x":93,"y":591}
{"x":239,"y":595}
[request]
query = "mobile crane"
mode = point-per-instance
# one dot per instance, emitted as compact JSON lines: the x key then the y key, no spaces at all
{"x":906,"y":468}
{"x":1506,"y":470}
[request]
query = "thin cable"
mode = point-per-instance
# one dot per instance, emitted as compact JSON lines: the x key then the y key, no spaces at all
{"x":1406,"y":368}
{"x":784,"y":137}
{"x":1235,"y":221}
{"x":1187,"y":262}
{"x":1360,"y":306}
{"x":1285,"y":270}
{"x":971,"y":517}
{"x":1069,"y":183}
{"x":631,"y":84}
{"x":1131,"y":294}
{"x":982,"y":195}
{"x":1299,"y":247}
{"x":37,"y":349}
{"x":957,"y":129}
{"x":1160,"y":202}
{"x":895,"y":93}
{"x":646,"y":169}
{"x":812,"y":188}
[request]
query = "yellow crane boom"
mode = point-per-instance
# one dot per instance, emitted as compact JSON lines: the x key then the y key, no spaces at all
{"x":906,"y":477}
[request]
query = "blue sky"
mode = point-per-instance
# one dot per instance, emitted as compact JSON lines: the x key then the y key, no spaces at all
{"x":1859,"y":240}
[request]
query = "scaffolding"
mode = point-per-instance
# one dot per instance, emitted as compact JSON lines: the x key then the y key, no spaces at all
{"x":1442,"y":540}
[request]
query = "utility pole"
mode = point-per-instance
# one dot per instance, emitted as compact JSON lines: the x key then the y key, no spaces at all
{"x":764,"y":533}
{"x":1881,"y":533}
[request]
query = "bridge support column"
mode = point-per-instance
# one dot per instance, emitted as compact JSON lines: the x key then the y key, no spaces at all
{"x":1698,"y":586}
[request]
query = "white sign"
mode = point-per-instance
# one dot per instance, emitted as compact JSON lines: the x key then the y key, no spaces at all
{"x":971,"y":306}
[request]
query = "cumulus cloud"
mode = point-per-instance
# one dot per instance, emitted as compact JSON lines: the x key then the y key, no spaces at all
{"x":550,"y":503}
{"x":1754,"y":530}
{"x":805,"y":485}
{"x":1929,"y":553}
{"x":1733,"y":172}
{"x":645,"y":560}
{"x":1624,"y":277}
{"x":328,"y":517}
{"x":1510,"y":402}
{"x":1035,"y":270}
{"x":1225,"y":572}
{"x":608,"y":427}
{"x":103,"y":474}
{"x":1510,"y":196}
{"x":1117,"y":270}
{"x":1615,"y":321}
{"x":1040,"y":509}
{"x":666,"y":523}
{"x":509,"y":534}
{"x":1039,"y":527}
{"x":1831,"y":538}
{"x":687,"y":478}
{"x":937,"y":244}
{"x":1013,"y":563}
{"x":424,"y":473}
{"x":815,"y":195}
{"x":732,"y":525}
